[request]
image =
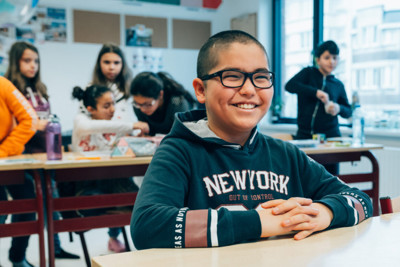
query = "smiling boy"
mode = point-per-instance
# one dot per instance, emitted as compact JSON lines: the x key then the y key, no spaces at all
{"x":215,"y":180}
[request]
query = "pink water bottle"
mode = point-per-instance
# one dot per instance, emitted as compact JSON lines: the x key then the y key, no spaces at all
{"x":53,"y":138}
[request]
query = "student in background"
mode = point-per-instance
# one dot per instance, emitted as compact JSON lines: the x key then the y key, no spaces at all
{"x":320,"y":97}
{"x":215,"y":180}
{"x":112,"y":71}
{"x":156,"y":99}
{"x":24,"y":72}
{"x":18,"y":122}
{"x":95,"y":131}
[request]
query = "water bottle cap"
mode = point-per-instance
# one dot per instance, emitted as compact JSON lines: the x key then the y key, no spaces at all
{"x":53,"y":118}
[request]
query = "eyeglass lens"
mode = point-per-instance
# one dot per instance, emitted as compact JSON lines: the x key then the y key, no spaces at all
{"x":237,"y":79}
{"x":144,"y":105}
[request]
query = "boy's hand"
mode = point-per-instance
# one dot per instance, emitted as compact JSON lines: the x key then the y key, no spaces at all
{"x":321,"y":95}
{"x":333,"y":109}
{"x":286,"y":204}
{"x":294,"y":214}
{"x":283,"y":216}
{"x":322,"y":221}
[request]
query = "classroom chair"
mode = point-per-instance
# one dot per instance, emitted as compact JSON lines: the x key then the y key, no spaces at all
{"x":10,"y":207}
{"x":66,"y":189}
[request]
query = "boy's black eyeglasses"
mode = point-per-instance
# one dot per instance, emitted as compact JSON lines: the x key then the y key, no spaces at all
{"x":236,"y":78}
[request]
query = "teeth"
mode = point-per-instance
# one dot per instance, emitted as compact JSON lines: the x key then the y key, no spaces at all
{"x":246,"y":106}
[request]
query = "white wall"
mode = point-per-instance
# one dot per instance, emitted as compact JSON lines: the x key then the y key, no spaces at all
{"x":65,"y":65}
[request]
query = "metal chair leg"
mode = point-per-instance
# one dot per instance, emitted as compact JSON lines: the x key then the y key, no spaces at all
{"x":84,"y":247}
{"x":127,"y":247}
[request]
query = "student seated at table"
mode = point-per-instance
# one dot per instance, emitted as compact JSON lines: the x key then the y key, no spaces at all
{"x":24,"y":72}
{"x":97,"y":132}
{"x":156,"y":99}
{"x":18,"y":122}
{"x":216,"y":180}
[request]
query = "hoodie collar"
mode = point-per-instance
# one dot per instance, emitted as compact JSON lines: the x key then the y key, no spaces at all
{"x":196,"y":122}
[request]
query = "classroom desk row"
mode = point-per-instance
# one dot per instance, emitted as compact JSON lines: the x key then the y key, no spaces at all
{"x":75,"y":167}
{"x":374,"y":242}
{"x":72,"y":167}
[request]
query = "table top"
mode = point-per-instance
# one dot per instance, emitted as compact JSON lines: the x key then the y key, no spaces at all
{"x":77,"y":160}
{"x":374,"y":242}
{"x":329,"y":148}
{"x":20,"y":162}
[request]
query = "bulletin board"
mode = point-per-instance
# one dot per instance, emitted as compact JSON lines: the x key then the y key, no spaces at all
{"x":246,"y":23}
{"x":190,"y":34}
{"x":96,"y":27}
{"x":158,"y":25}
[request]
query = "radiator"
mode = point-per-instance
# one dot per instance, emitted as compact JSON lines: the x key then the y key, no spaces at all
{"x":389,"y":170}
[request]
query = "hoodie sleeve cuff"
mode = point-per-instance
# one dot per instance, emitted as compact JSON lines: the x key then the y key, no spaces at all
{"x":247,"y":225}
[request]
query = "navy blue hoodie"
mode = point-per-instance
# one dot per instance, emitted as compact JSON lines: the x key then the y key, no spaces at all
{"x":201,"y":191}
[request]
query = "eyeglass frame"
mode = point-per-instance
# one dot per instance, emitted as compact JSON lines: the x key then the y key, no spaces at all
{"x":246,"y":75}
{"x":144,"y":105}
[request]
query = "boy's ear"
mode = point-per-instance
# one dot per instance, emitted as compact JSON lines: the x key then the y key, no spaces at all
{"x":199,"y":90}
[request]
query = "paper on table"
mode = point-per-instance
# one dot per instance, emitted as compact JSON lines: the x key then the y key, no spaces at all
{"x":18,"y":161}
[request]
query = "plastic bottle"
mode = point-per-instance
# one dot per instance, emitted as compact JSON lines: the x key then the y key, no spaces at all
{"x":53,"y":138}
{"x":355,"y":100}
{"x":358,"y":126}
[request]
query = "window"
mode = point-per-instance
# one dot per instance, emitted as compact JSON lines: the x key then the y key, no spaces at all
{"x":368,"y":35}
{"x":296,"y":40}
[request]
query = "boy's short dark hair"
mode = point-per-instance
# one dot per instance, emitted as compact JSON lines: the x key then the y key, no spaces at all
{"x":330,"y":46}
{"x":208,"y":57}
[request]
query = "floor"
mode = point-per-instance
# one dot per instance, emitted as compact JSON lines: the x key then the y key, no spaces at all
{"x":96,"y":241}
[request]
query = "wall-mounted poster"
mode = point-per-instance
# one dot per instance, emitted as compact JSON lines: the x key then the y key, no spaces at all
{"x":5,"y":44}
{"x":50,"y":23}
{"x":146,"y":31}
{"x":46,"y":25}
{"x":139,"y":35}
{"x":145,"y":59}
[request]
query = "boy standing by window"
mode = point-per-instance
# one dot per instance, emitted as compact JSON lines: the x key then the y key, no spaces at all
{"x":321,"y":98}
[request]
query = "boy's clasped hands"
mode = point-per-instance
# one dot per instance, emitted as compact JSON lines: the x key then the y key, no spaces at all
{"x":295,"y":214}
{"x":330,"y":106}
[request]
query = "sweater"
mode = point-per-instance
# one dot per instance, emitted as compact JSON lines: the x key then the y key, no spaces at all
{"x":305,"y":84}
{"x":201,"y":191}
{"x":14,"y":106}
{"x":160,"y":122}
{"x":100,"y":135}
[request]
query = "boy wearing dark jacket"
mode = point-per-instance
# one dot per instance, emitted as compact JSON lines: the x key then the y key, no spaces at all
{"x":215,"y":180}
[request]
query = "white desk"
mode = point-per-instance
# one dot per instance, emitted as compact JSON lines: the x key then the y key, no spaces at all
{"x":375,"y":242}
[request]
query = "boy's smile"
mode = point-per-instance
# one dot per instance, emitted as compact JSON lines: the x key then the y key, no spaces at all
{"x":233,"y":112}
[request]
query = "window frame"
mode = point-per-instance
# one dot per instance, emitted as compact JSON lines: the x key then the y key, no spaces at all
{"x":318,"y":28}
